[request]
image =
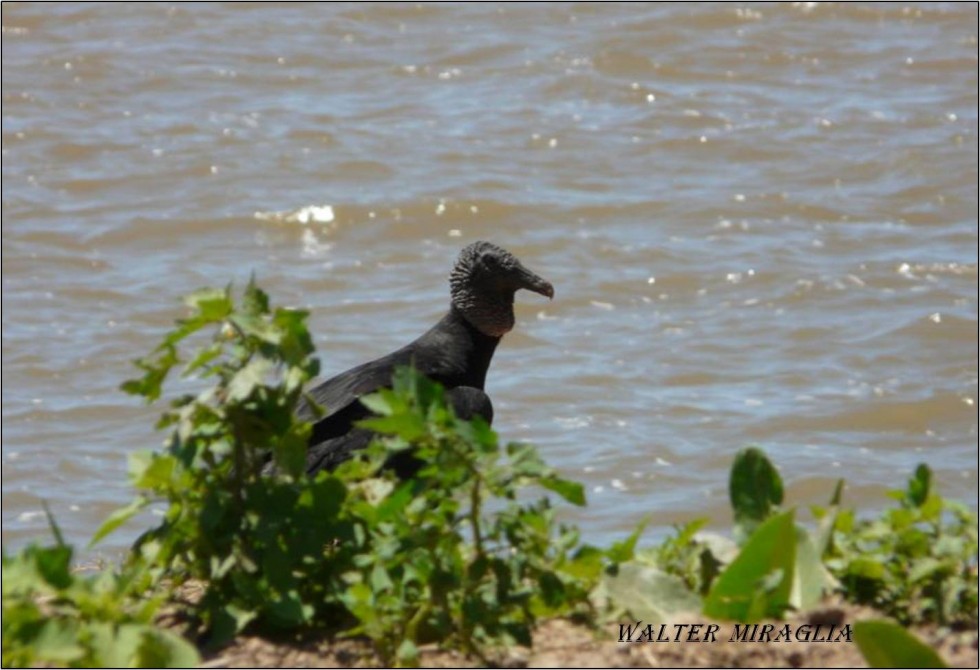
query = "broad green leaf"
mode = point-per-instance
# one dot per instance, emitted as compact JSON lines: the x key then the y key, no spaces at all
{"x":228,"y":620}
{"x":931,"y":508}
{"x":919,"y":485}
{"x":823,"y":536}
{"x":885,"y":644}
{"x":151,"y":471}
{"x":810,"y":577}
{"x":54,"y":565}
{"x":377,"y":403}
{"x":551,"y":591}
{"x":688,"y":531}
{"x":211,"y":303}
{"x":118,"y":646}
{"x":161,"y":648}
{"x":587,"y":563}
{"x":118,"y":518}
{"x":155,"y":370}
{"x":767,"y":559}
{"x":572,"y":492}
{"x":328,"y":496}
{"x":525,"y":460}
{"x":248,"y":379}
{"x":623,"y":550}
{"x":925,"y":567}
{"x":289,"y":610}
{"x":293,"y":379}
{"x":359,"y":600}
{"x":409,"y":427}
{"x":648,"y":593}
{"x":254,"y":299}
{"x":295,"y":342}
{"x":407,"y":653}
{"x":203,"y":357}
{"x":379,"y":581}
{"x":290,"y":453}
{"x":257,"y":327}
{"x":754,"y":487}
{"x":58,"y":642}
{"x":393,"y":505}
{"x":482,"y":434}
{"x":185,"y":328}
{"x":868,"y":568}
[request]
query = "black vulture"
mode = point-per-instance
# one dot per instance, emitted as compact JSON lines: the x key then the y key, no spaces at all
{"x":455,"y":352}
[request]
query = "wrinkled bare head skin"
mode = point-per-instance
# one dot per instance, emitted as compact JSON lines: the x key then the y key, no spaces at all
{"x":483,"y":283}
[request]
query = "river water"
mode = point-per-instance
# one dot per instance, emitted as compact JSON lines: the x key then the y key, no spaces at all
{"x":760,"y":221}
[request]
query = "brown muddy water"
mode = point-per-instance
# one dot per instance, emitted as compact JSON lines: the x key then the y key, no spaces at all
{"x":760,"y":220}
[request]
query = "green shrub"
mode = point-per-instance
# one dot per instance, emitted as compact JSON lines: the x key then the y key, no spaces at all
{"x":55,"y":617}
{"x":917,"y":562}
{"x":429,"y":562}
{"x":399,"y":562}
{"x":255,"y":543}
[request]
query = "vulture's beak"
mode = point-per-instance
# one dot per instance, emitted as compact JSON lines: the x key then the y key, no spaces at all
{"x":532,"y":282}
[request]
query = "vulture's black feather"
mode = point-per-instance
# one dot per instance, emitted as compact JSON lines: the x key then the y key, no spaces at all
{"x":455,"y":352}
{"x":466,"y":401}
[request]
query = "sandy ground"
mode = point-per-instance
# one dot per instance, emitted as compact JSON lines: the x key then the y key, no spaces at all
{"x":559,"y":643}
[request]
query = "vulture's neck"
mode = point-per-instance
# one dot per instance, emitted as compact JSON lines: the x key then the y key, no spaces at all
{"x":466,"y":350}
{"x":492,"y":313}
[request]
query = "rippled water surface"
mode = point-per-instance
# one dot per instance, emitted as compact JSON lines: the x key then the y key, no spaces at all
{"x":760,"y":220}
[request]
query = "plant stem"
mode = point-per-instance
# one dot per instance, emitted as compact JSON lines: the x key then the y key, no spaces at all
{"x":475,"y":518}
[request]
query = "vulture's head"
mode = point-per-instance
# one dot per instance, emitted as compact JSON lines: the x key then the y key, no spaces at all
{"x":483,"y":283}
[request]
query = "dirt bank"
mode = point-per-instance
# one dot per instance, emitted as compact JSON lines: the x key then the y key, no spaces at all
{"x":559,"y":643}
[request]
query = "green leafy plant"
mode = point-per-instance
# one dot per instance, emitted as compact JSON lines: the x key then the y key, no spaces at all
{"x":430,"y":561}
{"x":53,"y":616}
{"x":755,"y":490}
{"x":757,"y":583}
{"x":917,"y":562}
{"x":253,"y":542}
{"x":453,"y":554}
{"x":772,"y":565}
{"x":686,"y":555}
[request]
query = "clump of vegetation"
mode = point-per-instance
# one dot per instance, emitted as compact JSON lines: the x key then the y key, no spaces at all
{"x":464,"y":553}
{"x":53,"y":616}
{"x":399,"y":562}
{"x":916,"y":562}
{"x":428,"y":561}
{"x":770,"y":567}
{"x":254,"y":543}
